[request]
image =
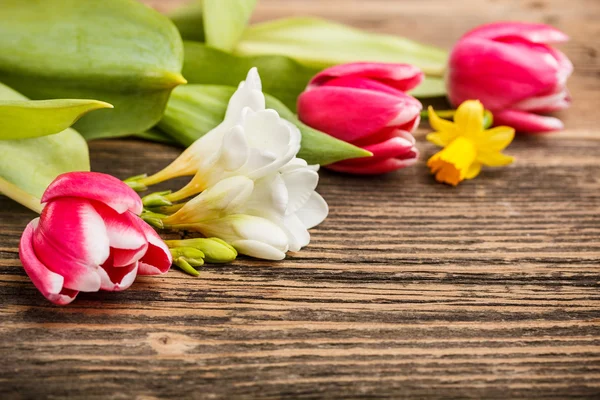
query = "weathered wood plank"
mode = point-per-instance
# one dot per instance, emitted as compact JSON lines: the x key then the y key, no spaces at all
{"x":409,"y":289}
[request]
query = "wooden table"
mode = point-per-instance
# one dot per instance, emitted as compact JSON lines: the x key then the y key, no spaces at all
{"x":409,"y":289}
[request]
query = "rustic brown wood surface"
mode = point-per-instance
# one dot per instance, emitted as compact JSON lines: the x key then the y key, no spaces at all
{"x":410,"y":289}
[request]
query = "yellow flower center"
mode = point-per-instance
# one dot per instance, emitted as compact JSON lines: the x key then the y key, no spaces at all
{"x":452,"y":163}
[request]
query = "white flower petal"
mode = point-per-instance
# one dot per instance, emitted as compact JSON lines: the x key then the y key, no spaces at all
{"x":234,"y":151}
{"x":249,"y":94}
{"x":269,"y":198}
{"x":314,"y":211}
{"x":244,"y":228}
{"x":258,"y":249}
{"x":298,"y":235}
{"x":301,"y":183}
{"x":224,"y":198}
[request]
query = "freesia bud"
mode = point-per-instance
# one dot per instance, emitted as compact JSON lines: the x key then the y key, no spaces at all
{"x":512,"y":69}
{"x":215,"y":250}
{"x":89,"y":238}
{"x":365,"y":104}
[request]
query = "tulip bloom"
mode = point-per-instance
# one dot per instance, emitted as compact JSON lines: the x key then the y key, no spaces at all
{"x":365,"y":104}
{"x":513,"y":71}
{"x":88,"y":238}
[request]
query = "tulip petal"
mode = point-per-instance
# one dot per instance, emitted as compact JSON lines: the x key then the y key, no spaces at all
{"x":351,"y":114}
{"x":525,"y":122}
{"x":127,"y":241}
{"x":500,"y":74}
{"x":157,"y":259}
{"x":49,"y":283}
{"x":116,"y":279}
{"x":403,"y":77}
{"x":395,"y":147}
{"x":95,"y":186}
{"x":314,"y":211}
{"x":382,"y":167}
{"x":547,"y":103}
{"x":534,"y":33}
{"x":72,"y":241}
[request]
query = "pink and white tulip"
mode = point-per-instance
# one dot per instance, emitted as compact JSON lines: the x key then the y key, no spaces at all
{"x":512,"y":69}
{"x":366,"y":104}
{"x":89,"y":238}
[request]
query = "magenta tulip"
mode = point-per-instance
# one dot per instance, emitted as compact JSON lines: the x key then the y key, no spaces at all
{"x":365,"y":104}
{"x":89,"y":237}
{"x":513,"y":71}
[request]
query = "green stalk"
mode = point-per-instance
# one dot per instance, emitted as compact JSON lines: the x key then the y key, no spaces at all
{"x":20,"y":196}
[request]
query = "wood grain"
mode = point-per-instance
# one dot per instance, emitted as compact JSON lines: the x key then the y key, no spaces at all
{"x":410,"y":289}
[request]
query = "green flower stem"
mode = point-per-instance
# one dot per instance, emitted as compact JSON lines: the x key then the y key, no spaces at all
{"x":488,"y":117}
{"x":20,"y":196}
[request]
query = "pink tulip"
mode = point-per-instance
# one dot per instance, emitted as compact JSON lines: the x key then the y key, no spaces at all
{"x":513,"y":71}
{"x":366,"y":104}
{"x":89,"y":237}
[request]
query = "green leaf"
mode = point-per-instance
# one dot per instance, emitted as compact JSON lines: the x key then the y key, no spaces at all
{"x":29,"y":119}
{"x":281,"y":76}
{"x":225,"y":21}
{"x":117,"y":51}
{"x":189,"y":21}
{"x":32,"y":164}
{"x":155,"y":135}
{"x":430,"y":87}
{"x":193,"y":110}
{"x":322,"y":43}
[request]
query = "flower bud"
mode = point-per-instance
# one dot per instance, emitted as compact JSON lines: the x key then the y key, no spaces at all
{"x":511,"y":68}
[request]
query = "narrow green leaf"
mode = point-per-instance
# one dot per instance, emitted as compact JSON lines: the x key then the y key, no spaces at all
{"x":32,"y":164}
{"x":118,"y":51}
{"x":189,"y":21}
{"x":29,"y":119}
{"x":281,"y":76}
{"x":431,"y":87}
{"x":322,"y":43}
{"x":193,"y":110}
{"x":225,"y":21}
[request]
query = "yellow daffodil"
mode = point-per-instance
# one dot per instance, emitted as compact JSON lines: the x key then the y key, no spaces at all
{"x":467,"y":145}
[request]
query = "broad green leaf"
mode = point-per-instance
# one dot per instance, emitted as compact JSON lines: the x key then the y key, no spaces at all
{"x":155,"y":135}
{"x":322,"y":43}
{"x":189,"y":21}
{"x":29,"y":119}
{"x":431,"y":87}
{"x":117,"y":51}
{"x":32,"y":164}
{"x":225,"y":21}
{"x":281,"y":76}
{"x":193,"y":110}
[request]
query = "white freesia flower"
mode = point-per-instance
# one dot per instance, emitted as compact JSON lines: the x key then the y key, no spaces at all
{"x":283,"y":204}
{"x":251,"y":141}
{"x":220,"y":212}
{"x":254,"y":192}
